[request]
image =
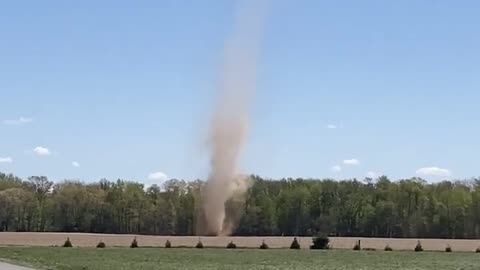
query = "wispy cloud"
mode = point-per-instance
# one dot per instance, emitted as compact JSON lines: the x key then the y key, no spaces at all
{"x":371,"y":174}
{"x":332,"y":126}
{"x":6,"y":160}
{"x":41,"y":151}
{"x":16,"y":122}
{"x":336,"y":168}
{"x":351,"y":162}
{"x":75,"y":164}
{"x":434,"y":171}
{"x":157,"y":176}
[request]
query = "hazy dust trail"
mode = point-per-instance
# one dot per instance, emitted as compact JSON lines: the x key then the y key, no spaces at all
{"x":229,"y":124}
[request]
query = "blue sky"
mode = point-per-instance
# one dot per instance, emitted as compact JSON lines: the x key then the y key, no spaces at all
{"x":126,"y":89}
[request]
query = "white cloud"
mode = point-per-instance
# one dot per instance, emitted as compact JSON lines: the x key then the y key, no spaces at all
{"x":17,"y":122}
{"x":336,"y":168}
{"x":157,"y":176}
{"x":75,"y":164}
{"x":6,"y":160}
{"x":41,"y":151}
{"x":371,"y":174}
{"x":331,"y":126}
{"x":434,"y":171}
{"x":352,"y":161}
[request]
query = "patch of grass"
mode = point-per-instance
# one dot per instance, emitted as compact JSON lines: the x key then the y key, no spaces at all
{"x":238,"y":259}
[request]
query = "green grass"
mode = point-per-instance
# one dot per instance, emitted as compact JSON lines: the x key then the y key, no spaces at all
{"x":177,"y":258}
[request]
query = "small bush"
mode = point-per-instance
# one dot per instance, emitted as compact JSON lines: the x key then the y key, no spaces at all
{"x":134,"y":243}
{"x":418,"y":247}
{"x":199,"y":244}
{"x":477,"y":250}
{"x":320,"y":242}
{"x":264,"y":245}
{"x":168,"y":244}
{"x":101,"y":244}
{"x":357,"y":246}
{"x":388,"y":248}
{"x":448,"y":248}
{"x":231,"y":245}
{"x":295,"y":244}
{"x":68,"y":243}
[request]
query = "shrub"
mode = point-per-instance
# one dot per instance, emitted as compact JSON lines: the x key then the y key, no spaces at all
{"x":448,"y":248}
{"x":478,"y":250}
{"x":320,"y":242}
{"x":168,"y":244}
{"x":101,"y":244}
{"x":418,"y":247}
{"x":134,"y":243}
{"x":388,"y":248}
{"x":264,"y":245}
{"x":231,"y":245}
{"x":199,"y":244}
{"x":295,"y":244}
{"x":357,"y":246}
{"x":68,"y":243}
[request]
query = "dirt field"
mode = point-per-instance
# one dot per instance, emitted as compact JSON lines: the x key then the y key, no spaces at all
{"x":90,"y":240}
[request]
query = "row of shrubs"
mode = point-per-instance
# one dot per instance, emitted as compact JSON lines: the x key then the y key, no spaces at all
{"x":320,"y":242}
{"x":418,"y":247}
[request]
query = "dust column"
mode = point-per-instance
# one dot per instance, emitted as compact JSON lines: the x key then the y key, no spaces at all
{"x":229,"y":124}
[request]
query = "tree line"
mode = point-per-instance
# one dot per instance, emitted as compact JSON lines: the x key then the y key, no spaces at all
{"x":291,"y":207}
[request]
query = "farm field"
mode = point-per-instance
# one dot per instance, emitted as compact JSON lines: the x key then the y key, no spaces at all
{"x":116,"y":240}
{"x":179,"y":258}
